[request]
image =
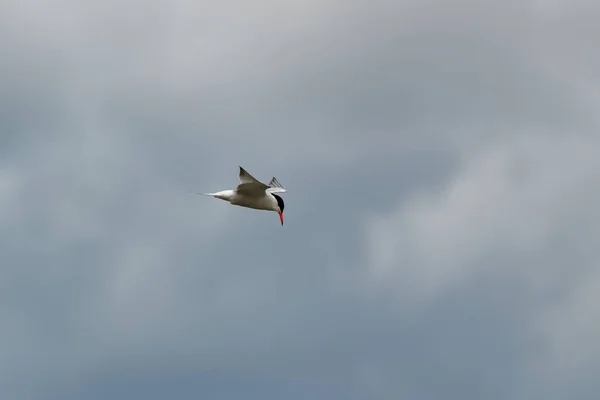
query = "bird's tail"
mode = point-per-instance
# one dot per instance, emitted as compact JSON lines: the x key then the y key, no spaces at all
{"x":223,"y":194}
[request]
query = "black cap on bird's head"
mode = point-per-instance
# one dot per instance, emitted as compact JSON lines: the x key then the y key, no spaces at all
{"x":281,"y":206}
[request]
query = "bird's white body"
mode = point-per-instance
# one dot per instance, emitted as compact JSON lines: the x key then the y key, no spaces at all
{"x":251,"y":193}
{"x":263,"y":202}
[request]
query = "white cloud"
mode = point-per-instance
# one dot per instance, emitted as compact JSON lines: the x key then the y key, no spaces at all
{"x":9,"y":191}
{"x":318,"y":81}
{"x":513,"y":196}
{"x":532,"y":201}
{"x":569,"y":329}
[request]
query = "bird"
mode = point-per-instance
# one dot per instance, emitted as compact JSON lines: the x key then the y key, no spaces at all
{"x":251,"y":193}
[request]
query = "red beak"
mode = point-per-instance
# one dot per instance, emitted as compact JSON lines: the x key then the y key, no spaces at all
{"x":280,"y":216}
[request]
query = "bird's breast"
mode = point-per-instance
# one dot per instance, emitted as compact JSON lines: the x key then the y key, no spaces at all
{"x":259,"y":203}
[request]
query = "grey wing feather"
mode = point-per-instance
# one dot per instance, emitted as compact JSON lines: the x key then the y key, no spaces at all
{"x":245,"y":177}
{"x":250,"y":186}
{"x":251,"y":189}
{"x":275,"y":183}
{"x":275,"y":186}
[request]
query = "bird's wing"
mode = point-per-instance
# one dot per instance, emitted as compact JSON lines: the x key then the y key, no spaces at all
{"x":245,"y":177}
{"x":275,"y":187}
{"x":250,"y":186}
{"x":251,"y":189}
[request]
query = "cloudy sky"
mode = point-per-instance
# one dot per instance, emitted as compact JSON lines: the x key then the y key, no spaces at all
{"x":441,"y":232}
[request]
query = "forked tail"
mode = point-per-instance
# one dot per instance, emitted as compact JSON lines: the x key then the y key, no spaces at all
{"x":223,"y":194}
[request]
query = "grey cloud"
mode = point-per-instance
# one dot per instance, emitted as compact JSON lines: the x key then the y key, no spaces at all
{"x":119,"y":282}
{"x":489,"y":223}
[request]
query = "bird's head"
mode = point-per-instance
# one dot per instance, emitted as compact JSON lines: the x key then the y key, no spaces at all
{"x":280,"y":207}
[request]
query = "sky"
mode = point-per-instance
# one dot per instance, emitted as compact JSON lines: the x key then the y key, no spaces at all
{"x":440,"y":237}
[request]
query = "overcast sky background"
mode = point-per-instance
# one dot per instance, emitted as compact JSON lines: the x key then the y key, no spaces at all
{"x":441,"y":233}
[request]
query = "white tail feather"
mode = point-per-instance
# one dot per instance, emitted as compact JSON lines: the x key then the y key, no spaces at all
{"x":223,"y":194}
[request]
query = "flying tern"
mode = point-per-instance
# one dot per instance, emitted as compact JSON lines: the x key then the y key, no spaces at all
{"x":252,"y":193}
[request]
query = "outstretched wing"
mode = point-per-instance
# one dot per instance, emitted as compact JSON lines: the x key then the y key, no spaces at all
{"x":250,"y":186}
{"x":245,"y":177}
{"x":275,"y":186}
{"x":253,"y":187}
